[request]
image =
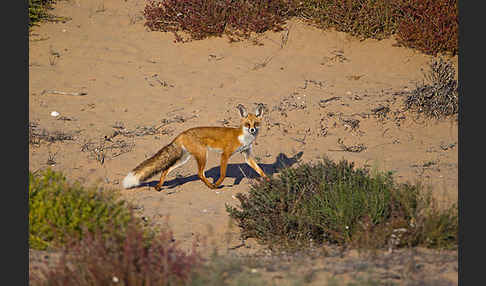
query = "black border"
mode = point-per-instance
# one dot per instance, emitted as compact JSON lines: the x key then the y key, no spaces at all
{"x":471,"y":205}
{"x":21,"y":192}
{"x":15,"y":102}
{"x":15,"y":118}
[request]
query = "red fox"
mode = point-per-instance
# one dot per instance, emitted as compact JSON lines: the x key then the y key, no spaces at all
{"x":196,"y":142}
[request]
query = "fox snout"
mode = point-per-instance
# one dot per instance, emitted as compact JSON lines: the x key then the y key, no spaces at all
{"x":252,"y":130}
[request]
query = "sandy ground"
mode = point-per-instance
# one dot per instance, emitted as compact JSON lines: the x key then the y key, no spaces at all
{"x":103,"y":72}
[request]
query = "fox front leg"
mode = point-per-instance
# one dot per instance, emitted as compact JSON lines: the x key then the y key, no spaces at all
{"x":251,"y":162}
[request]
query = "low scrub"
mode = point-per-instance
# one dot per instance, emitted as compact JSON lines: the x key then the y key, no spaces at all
{"x":328,"y":202}
{"x":438,"y":95}
{"x":59,"y":210}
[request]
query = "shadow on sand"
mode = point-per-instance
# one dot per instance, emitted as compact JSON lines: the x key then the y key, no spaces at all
{"x":235,"y":171}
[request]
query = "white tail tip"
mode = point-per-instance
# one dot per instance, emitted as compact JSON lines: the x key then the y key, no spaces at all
{"x":130,"y":181}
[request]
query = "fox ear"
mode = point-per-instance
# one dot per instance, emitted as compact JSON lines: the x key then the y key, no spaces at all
{"x":259,"y":109}
{"x":242,"y":110}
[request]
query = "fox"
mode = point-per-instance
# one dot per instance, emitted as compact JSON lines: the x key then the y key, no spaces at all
{"x":196,"y":142}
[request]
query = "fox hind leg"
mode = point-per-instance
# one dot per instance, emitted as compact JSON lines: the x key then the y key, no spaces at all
{"x":222,"y":169}
{"x":185,"y":157}
{"x":201,"y":158}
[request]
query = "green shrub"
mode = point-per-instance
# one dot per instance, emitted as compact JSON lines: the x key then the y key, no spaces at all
{"x":327,"y":202}
{"x":58,"y":210}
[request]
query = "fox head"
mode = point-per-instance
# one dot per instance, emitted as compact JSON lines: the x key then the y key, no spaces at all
{"x":251,"y":121}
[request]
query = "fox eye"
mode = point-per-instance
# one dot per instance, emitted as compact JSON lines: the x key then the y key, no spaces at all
{"x":257,"y":124}
{"x":247,"y":125}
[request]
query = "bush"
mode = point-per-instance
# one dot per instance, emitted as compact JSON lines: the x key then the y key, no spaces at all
{"x":430,"y":26}
{"x":438,"y":96}
{"x":59,"y":210}
{"x":204,"y":18}
{"x":362,"y":18}
{"x":327,"y":202}
{"x":124,"y":260}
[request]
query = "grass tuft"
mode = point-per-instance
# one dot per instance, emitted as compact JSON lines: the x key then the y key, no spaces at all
{"x":438,"y":96}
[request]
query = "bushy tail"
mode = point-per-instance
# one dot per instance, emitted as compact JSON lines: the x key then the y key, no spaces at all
{"x":161,"y":161}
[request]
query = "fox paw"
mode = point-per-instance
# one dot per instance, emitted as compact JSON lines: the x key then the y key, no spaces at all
{"x":265,"y":178}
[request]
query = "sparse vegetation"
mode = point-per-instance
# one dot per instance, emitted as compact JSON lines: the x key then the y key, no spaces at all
{"x":328,"y":202}
{"x":222,"y":270}
{"x":37,"y":135}
{"x":438,"y":95}
{"x":39,"y":11}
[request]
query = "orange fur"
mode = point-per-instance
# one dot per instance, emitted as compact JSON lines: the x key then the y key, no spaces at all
{"x":197,"y":141}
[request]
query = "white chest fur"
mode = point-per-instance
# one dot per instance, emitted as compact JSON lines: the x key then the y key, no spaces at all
{"x":246,"y":139}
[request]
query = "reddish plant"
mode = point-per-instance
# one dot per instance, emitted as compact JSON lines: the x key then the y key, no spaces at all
{"x":134,"y":258}
{"x":204,"y":18}
{"x":430,"y":26}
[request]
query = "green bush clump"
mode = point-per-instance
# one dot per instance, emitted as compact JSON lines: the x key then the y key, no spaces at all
{"x":58,"y":210}
{"x":328,"y":202}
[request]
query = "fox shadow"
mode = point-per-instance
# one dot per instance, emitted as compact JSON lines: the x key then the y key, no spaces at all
{"x":235,"y":171}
